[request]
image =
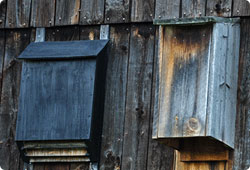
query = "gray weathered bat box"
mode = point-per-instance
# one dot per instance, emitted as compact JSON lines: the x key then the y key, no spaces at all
{"x":197,"y":80}
{"x":61,"y":101}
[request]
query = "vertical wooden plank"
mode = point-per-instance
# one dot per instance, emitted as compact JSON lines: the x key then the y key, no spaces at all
{"x":3,"y":6}
{"x":142,"y":11}
{"x":241,"y":8}
{"x":115,"y":98}
{"x":138,"y":99}
{"x":166,"y":9}
{"x":62,"y":33}
{"x":79,"y":166}
{"x":92,"y":12}
{"x":193,"y":8}
{"x":222,"y":8}
{"x":2,"y":45}
{"x":183,"y":81}
{"x":67,"y":12}
{"x":39,"y":166}
{"x":90,"y":32}
{"x":242,"y":138}
{"x":42,"y":13}
{"x":16,"y":41}
{"x":18,"y":13}
{"x":117,"y":11}
{"x":160,"y":157}
{"x":57,"y":166}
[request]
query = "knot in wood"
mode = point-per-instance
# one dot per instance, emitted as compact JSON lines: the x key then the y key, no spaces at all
{"x":193,"y":127}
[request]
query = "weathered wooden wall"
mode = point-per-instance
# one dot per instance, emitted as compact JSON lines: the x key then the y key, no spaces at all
{"x":127,"y":143}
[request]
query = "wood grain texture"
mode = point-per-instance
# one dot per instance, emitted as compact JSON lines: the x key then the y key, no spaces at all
{"x":117,"y":11}
{"x":79,"y":166}
{"x":115,"y":98}
{"x":92,"y":12}
{"x":57,"y":166}
{"x":2,"y":45}
{"x":90,"y":32}
{"x":142,"y":11}
{"x":221,"y":8}
{"x":18,"y":14}
{"x":165,"y":9}
{"x":67,"y":12}
{"x":138,"y":99}
{"x":160,"y":157}
{"x":241,"y":8}
{"x":193,"y":8}
{"x":184,"y":84}
{"x":68,"y":33}
{"x":222,"y":88}
{"x":43,"y":13}
{"x":16,"y":41}
{"x":3,"y":6}
{"x":242,"y":138}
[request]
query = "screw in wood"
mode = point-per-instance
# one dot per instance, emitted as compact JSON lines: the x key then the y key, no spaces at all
{"x":151,"y":15}
{"x":1,"y":21}
{"x":184,"y":14}
{"x":228,"y":9}
{"x":24,"y":24}
{"x":60,"y":18}
{"x":200,"y":13}
{"x":159,"y":16}
{"x":85,"y":17}
{"x":211,"y":11}
{"x":123,"y":19}
{"x":107,"y":19}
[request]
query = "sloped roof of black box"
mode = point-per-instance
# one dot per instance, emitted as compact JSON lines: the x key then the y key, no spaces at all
{"x":63,"y":50}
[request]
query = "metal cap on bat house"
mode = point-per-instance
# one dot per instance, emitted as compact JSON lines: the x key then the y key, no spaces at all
{"x":61,"y":101}
{"x":197,"y":88}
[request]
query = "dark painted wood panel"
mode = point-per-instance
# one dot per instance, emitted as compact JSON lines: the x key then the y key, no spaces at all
{"x":43,"y":13}
{"x":90,"y":32}
{"x":222,"y":8}
{"x":18,"y":14}
{"x":115,"y":99}
{"x":67,"y":12}
{"x":3,"y":6}
{"x":92,"y":12}
{"x":241,"y":8}
{"x":69,"y":33}
{"x":193,"y":8}
{"x":138,"y":98}
{"x":117,"y":11}
{"x":242,"y":138}
{"x":142,"y":11}
{"x":165,"y":9}
{"x":16,"y":41}
{"x":160,"y":157}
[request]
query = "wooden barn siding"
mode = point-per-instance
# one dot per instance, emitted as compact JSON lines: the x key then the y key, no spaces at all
{"x":49,"y":13}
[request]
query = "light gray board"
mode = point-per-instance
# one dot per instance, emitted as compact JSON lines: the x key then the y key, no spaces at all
{"x":184,"y":81}
{"x":166,"y":9}
{"x":221,"y":112}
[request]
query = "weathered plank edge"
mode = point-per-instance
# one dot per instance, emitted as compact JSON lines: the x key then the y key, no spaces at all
{"x":195,"y":21}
